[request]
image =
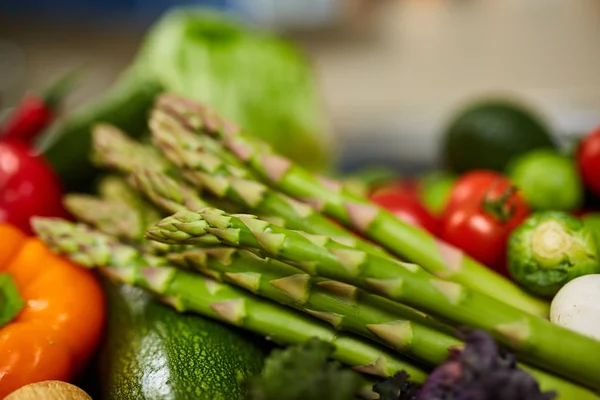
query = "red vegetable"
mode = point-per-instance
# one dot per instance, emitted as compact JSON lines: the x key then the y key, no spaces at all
{"x":407,"y":207}
{"x":481,"y":224}
{"x":471,"y":188}
{"x":30,"y":117}
{"x":35,"y":112}
{"x":28,"y":187}
{"x":588,"y":160}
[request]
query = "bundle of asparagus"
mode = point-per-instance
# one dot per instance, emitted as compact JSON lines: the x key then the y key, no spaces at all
{"x":241,"y":215}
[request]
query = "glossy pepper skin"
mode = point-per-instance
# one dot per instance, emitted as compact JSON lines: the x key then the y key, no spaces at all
{"x":36,"y":111}
{"x":28,"y":187}
{"x":59,"y":327}
{"x":30,"y":117}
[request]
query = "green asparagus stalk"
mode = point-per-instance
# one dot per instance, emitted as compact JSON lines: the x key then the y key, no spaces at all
{"x":346,"y":308}
{"x":164,"y":192}
{"x":220,"y":158}
{"x":116,"y":218}
{"x":143,"y":165}
{"x":114,"y":149}
{"x":343,"y":306}
{"x":187,"y":291}
{"x":119,"y":211}
{"x":223,"y":180}
{"x":328,"y":197}
{"x":115,"y":188}
{"x":534,"y":339}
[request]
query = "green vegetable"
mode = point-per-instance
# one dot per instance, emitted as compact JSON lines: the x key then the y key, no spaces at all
{"x":404,"y":329}
{"x":548,"y":180}
{"x":486,"y":134}
{"x":434,"y":190}
{"x":233,"y":181}
{"x":303,"y":372}
{"x":592,"y":222}
{"x":357,"y":212}
{"x":11,"y":302}
{"x":258,"y":80}
{"x":549,"y":249}
{"x":151,"y":351}
{"x":187,"y":291}
{"x":535,"y":339}
{"x":114,"y":217}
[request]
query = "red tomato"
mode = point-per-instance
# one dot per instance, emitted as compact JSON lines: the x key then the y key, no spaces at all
{"x":588,"y":160}
{"x":408,"y":208}
{"x":471,"y":187}
{"x":480,"y":225}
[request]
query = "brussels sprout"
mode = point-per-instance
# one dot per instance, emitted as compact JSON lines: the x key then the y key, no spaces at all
{"x":547,"y":180}
{"x":550,"y":249}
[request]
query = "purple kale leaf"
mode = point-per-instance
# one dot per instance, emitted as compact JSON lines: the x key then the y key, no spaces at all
{"x":480,"y":371}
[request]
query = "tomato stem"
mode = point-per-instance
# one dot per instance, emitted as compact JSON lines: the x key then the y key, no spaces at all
{"x":501,"y":208}
{"x":11,"y":302}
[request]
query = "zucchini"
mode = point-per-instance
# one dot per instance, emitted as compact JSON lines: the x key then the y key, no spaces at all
{"x":150,"y":351}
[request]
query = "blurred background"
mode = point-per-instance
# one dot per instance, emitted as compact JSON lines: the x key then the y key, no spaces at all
{"x":390,"y":72}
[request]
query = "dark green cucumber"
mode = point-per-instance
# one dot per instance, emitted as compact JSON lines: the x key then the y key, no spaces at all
{"x":153,"y":352}
{"x":67,"y":146}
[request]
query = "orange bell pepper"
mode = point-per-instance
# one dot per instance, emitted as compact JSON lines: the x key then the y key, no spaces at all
{"x":61,"y":320}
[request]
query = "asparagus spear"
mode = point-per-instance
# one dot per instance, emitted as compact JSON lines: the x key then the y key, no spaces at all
{"x":164,"y":192}
{"x":407,"y":241}
{"x":118,"y":211}
{"x":113,"y":148}
{"x":224,"y":180}
{"x":343,"y":306}
{"x":115,"y":188}
{"x":187,"y":291}
{"x":536,"y":340}
{"x":204,"y":296}
{"x":116,"y":218}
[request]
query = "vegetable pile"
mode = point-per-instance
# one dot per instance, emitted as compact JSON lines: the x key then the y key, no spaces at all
{"x":212,"y":221}
{"x":197,"y":258}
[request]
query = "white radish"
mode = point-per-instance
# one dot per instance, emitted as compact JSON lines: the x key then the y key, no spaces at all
{"x":577,"y":306}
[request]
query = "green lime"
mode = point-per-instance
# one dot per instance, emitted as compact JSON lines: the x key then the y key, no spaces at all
{"x":548,"y":180}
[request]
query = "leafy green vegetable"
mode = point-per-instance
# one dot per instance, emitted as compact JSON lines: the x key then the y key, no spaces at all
{"x":397,"y":387}
{"x":303,"y":372}
{"x":549,"y":249}
{"x":262,"y":83}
